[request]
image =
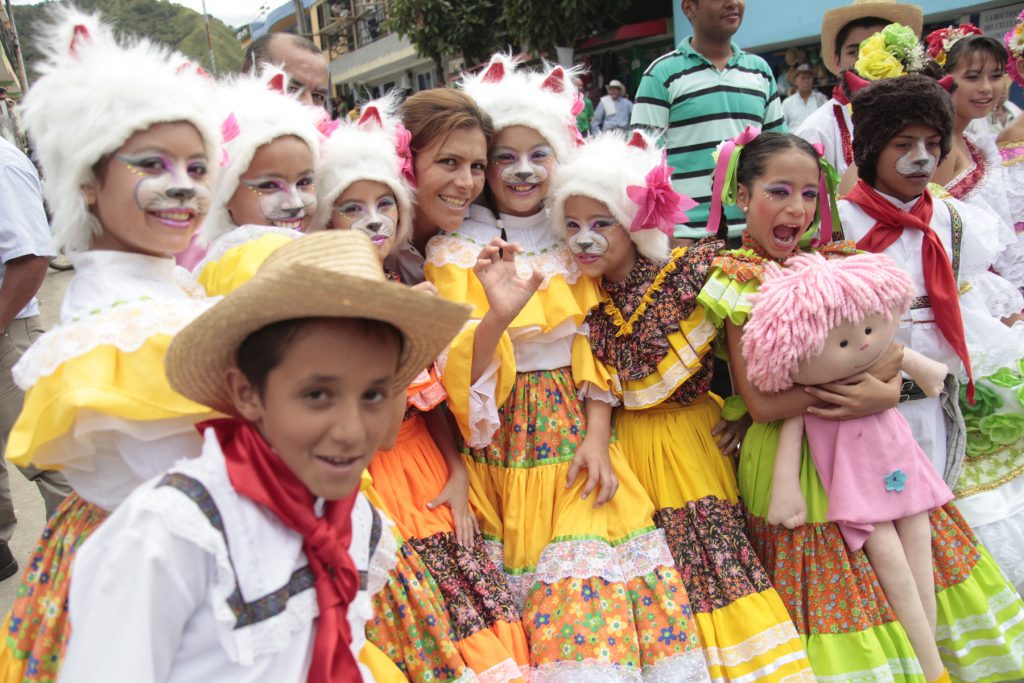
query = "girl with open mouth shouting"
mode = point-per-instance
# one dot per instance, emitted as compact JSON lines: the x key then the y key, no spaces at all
{"x":562,"y":513}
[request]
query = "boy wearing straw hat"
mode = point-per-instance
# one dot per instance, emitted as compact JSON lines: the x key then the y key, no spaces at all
{"x":842,"y":30}
{"x":256,"y":560}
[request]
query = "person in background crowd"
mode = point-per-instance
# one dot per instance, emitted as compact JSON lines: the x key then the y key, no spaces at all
{"x":583,"y":118}
{"x":724,"y":91}
{"x":300,"y":58}
{"x":613,"y":110}
{"x":24,"y":251}
{"x":801,"y":104}
{"x":999,"y":118}
{"x":842,"y":30}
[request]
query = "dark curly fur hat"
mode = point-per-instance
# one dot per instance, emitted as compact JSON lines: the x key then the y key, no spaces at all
{"x":884,"y":108}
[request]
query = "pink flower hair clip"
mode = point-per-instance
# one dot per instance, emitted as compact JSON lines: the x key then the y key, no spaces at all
{"x":403,"y":147}
{"x":229,"y":130}
{"x":661,"y":207}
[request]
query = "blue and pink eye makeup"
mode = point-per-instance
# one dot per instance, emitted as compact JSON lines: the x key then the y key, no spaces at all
{"x":152,"y":163}
{"x":783,"y":191}
{"x":598,"y":225}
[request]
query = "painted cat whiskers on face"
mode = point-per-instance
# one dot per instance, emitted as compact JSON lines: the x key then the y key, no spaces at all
{"x":522,"y":173}
{"x":917,"y":160}
{"x":589,"y":241}
{"x":170,"y":189}
{"x":376,"y":220}
{"x":285,"y":205}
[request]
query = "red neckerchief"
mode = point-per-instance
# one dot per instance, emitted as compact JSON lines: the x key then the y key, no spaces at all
{"x":939,"y":279}
{"x":258,"y":473}
{"x":840,"y":96}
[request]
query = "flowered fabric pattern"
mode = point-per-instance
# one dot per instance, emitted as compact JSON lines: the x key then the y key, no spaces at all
{"x":599,"y":589}
{"x":410,"y":625}
{"x":664,"y":295}
{"x":965,"y":185}
{"x":708,"y":542}
{"x":475,"y":592}
{"x":38,"y":627}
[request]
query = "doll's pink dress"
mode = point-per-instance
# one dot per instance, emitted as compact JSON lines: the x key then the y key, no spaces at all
{"x":873,"y":471}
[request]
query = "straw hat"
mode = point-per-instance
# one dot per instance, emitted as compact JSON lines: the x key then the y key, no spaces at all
{"x":834,"y":20}
{"x":329,"y":274}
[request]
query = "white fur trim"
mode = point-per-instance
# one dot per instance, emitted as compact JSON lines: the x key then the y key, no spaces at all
{"x":263,"y":115}
{"x":87,"y":102}
{"x":602,"y":170}
{"x":518,"y":100}
{"x":364,"y":152}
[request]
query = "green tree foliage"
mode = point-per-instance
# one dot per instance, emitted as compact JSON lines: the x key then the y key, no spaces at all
{"x":164,"y":22}
{"x":544,"y":24}
{"x":442,"y":27}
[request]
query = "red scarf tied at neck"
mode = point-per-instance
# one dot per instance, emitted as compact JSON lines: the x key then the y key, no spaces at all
{"x":258,"y":473}
{"x":939,"y":279}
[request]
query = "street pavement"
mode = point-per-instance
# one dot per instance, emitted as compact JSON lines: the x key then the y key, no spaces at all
{"x":28,"y":504}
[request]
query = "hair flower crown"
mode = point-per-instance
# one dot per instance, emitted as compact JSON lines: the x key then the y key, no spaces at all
{"x":1014,"y":41}
{"x":940,"y":42}
{"x":661,"y":207}
{"x":893,"y":51}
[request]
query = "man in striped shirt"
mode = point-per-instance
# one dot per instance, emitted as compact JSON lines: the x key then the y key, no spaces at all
{"x":706,"y":91}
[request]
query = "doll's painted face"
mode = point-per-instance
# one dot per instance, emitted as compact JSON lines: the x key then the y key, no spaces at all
{"x":781,"y":203}
{"x":278,"y":188}
{"x":371,"y":208}
{"x":326,"y":413}
{"x":979,"y":85}
{"x":599,"y":243}
{"x":850,"y":348}
{"x":150,"y":194}
{"x":907,"y":163}
{"x":518,"y":170}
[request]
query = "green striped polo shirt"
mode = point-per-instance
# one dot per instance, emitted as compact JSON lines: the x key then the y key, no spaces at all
{"x":695,"y":106}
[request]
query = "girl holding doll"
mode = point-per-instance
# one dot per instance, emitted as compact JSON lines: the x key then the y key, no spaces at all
{"x":601,"y":597}
{"x":128,"y":152}
{"x":652,"y":345}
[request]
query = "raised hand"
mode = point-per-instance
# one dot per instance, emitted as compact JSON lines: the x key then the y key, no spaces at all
{"x":507,"y":291}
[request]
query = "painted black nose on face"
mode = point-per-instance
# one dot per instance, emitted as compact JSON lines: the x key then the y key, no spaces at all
{"x":523,"y":175}
{"x":181,"y":193}
{"x":373,"y":227}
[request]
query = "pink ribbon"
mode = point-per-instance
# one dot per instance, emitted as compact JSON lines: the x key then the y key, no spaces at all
{"x":661,"y":207}
{"x":722,"y":170}
{"x":229,"y":130}
{"x":403,"y":142}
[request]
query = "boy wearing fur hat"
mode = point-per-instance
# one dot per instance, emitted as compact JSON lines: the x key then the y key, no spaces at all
{"x":257,"y":561}
{"x":842,"y":30}
{"x":903,"y":129}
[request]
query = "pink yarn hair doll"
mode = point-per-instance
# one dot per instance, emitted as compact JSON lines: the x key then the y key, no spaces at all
{"x":820,"y":320}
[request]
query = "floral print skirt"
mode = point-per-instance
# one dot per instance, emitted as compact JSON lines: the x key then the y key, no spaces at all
{"x":602,"y":598}
{"x":478,"y":606}
{"x":744,"y":627}
{"x":37,"y":628}
{"x":849,"y":630}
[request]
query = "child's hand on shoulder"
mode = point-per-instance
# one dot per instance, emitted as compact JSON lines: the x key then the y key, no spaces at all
{"x":455,"y":495}
{"x":592,"y":456}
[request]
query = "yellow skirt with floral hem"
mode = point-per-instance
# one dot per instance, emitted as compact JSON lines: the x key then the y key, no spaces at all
{"x":744,"y":627}
{"x":602,"y":597}
{"x":483,"y":615}
{"x":37,"y":628}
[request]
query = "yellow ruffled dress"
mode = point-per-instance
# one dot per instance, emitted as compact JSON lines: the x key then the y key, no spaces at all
{"x":602,"y":599}
{"x":98,"y":407}
{"x":653,"y":343}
